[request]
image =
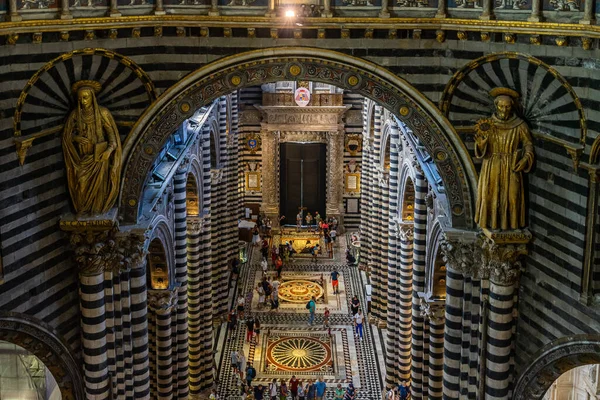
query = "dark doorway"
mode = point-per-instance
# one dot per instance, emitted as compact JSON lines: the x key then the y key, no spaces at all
{"x":302,"y":180}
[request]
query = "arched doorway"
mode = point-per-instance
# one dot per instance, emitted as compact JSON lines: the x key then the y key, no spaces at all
{"x":552,"y":361}
{"x":40,"y":340}
{"x":291,"y":63}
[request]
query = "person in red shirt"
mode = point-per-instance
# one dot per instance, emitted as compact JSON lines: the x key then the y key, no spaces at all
{"x":294,"y":387}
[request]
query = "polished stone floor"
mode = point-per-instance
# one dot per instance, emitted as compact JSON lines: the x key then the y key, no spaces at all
{"x":288,"y":346}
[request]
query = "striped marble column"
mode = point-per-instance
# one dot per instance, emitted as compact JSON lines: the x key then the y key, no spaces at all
{"x":180,"y":369}
{"x":502,"y":252}
{"x":109,"y":315}
{"x":152,"y":354}
{"x":162,"y":303}
{"x":139,"y":331}
{"x":420,"y":239}
{"x":127,"y":337}
{"x":366,"y":184}
{"x":93,"y":334}
{"x":392,"y":356}
{"x":435,"y":316}
{"x":452,"y":332}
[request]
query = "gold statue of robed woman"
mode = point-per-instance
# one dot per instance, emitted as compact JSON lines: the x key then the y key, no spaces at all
{"x":92,"y":150}
{"x":504,"y":143}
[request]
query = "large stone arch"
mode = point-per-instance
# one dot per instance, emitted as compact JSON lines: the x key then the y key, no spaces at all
{"x":41,"y":340}
{"x":298,"y":63}
{"x":553,"y":360}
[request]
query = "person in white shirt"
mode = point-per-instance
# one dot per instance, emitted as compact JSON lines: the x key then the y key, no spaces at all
{"x":273,"y":389}
{"x":241,"y":302}
{"x":264,"y":265}
{"x":358,"y":323}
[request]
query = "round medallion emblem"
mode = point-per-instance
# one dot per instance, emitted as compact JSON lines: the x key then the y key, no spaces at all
{"x":295,"y":70}
{"x":300,"y":354}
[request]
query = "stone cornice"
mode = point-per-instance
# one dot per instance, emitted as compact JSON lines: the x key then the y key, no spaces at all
{"x":450,"y":24}
{"x":310,"y":118}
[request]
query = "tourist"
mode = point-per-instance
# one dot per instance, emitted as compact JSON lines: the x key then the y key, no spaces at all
{"x":328,"y":244}
{"x":325,"y":227}
{"x":235,"y":361}
{"x":334,"y":281}
{"x":268,"y":226}
{"x":256,"y":329}
{"x":273,"y":389}
{"x":275,"y":299}
{"x":267,"y":287}
{"x":261,"y":295}
{"x":350,"y":260}
{"x":294,"y":387}
{"x":403,"y":390}
{"x":249,"y":329}
{"x":235,"y":270}
{"x":265,"y":266}
{"x":311,"y":307}
{"x":333,"y":234}
{"x":350,"y":392}
{"x":231,"y":323}
{"x":278,"y":266}
{"x":326,"y":318}
{"x":354,"y":305}
{"x":274,"y":254}
{"x":320,"y":388}
{"x":310,"y":391}
{"x":259,"y":392}
{"x":314,"y":251}
{"x":301,"y":391}
{"x":241,"y":363}
{"x":309,"y":220}
{"x":255,"y":236}
{"x":318,"y":219}
{"x":283,"y":390}
{"x":250,"y":374}
{"x":264,"y":250}
{"x":339,"y":392}
{"x":286,"y":255}
{"x":358,"y":323}
{"x":213,"y":395}
{"x":391,"y":394}
{"x":299,"y":221}
{"x":241,"y":302}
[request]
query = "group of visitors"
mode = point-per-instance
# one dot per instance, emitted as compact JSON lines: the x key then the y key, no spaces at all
{"x":295,"y":389}
{"x":401,"y":392}
{"x":268,"y":293}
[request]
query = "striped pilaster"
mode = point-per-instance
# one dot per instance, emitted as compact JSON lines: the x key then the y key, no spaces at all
{"x":162,"y":305}
{"x":499,"y":341}
{"x":93,"y":336}
{"x":479,"y":290}
{"x":405,"y":298}
{"x":453,"y":333}
{"x":436,"y":352}
{"x":180,"y":367}
{"x":425,"y":392}
{"x":420,"y":239}
{"x":139,"y":332}
{"x":152,"y":355}
{"x":109,"y":306}
{"x":366,"y":185}
{"x":465,"y":351}
{"x":378,"y":215}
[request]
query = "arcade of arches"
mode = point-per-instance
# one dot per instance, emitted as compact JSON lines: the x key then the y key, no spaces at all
{"x":176,"y":225}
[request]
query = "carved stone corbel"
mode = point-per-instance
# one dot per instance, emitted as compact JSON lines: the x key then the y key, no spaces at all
{"x":162,"y":300}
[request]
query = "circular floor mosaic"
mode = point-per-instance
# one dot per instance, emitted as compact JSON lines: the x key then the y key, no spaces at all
{"x":299,"y":291}
{"x":302,"y":354}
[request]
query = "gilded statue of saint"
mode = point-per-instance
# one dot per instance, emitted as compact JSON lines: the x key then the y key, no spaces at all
{"x":504,"y":143}
{"x":92,"y":150}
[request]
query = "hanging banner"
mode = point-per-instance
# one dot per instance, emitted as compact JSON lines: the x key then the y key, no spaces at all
{"x":302,"y":96}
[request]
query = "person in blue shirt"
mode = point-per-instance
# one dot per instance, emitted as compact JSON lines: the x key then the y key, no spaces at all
{"x":350,"y":392}
{"x":312,"y":307}
{"x":320,"y":389}
{"x":334,"y":281}
{"x":403,"y":390}
{"x":310,"y":391}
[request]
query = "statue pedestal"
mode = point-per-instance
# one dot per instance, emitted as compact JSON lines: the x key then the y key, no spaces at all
{"x":93,"y":223}
{"x":514,"y":237}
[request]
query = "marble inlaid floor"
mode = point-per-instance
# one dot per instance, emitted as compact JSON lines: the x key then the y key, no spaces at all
{"x":289,"y":346}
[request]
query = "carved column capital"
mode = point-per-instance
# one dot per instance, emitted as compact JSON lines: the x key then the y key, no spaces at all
{"x":216,"y":176}
{"x":133,"y":247}
{"x":196,"y":225}
{"x":432,"y":311}
{"x":463,"y":254}
{"x":501,"y":255}
{"x":184,"y":164}
{"x":95,"y":251}
{"x":162,"y":300}
{"x":406,"y":232}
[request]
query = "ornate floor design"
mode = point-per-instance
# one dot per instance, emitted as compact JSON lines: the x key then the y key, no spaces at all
{"x":288,"y":346}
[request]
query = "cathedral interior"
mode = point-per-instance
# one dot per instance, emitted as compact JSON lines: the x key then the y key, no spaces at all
{"x":199,"y":198}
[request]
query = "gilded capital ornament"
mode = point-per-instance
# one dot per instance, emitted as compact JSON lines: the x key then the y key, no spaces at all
{"x":162,"y":300}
